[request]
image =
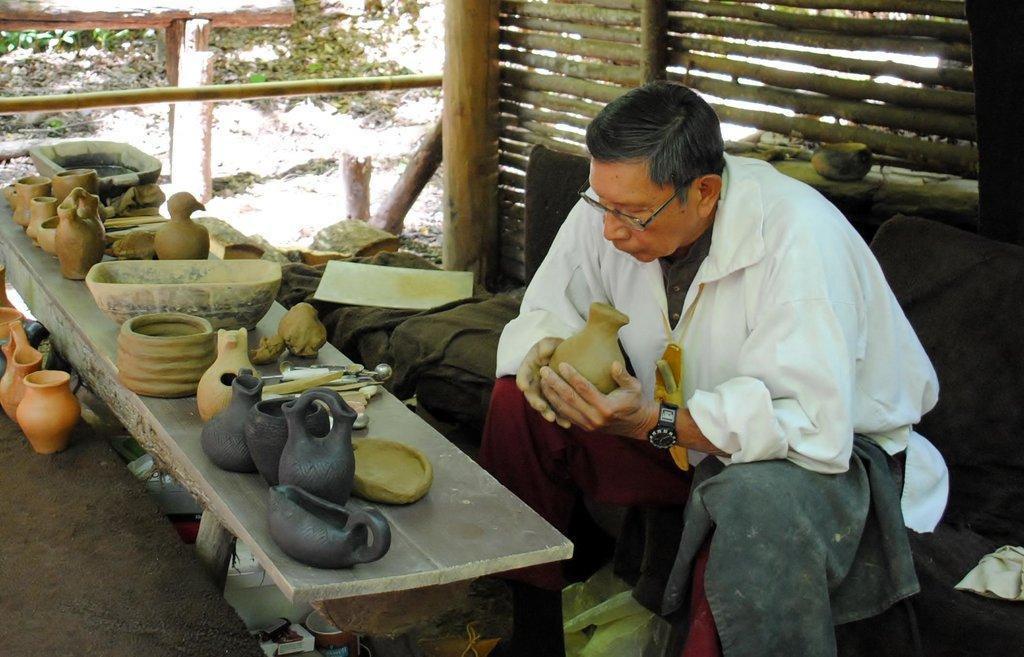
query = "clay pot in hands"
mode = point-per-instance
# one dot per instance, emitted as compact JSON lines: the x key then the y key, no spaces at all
{"x":27,"y":189}
{"x":22,"y":360}
{"x":322,"y":465}
{"x":214,"y":391}
{"x":49,"y":411}
{"x":593,"y":350}
{"x":80,"y":238}
{"x":266,"y":433}
{"x":302,"y":331}
{"x":223,"y":437}
{"x":41,"y":208}
{"x":322,"y":534}
{"x":181,"y":238}
{"x":65,"y":181}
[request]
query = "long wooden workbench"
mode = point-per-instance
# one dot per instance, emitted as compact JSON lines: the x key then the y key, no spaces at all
{"x":467,"y":526}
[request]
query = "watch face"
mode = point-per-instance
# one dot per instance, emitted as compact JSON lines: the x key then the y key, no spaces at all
{"x":667,"y":415}
{"x":662,"y":437}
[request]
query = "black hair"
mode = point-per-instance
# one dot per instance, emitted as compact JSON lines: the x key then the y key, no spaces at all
{"x":665,"y":124}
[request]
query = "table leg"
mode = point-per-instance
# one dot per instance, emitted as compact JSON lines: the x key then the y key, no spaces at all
{"x":214,"y":546}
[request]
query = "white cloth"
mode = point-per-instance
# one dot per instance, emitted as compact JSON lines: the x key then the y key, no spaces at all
{"x":998,"y":575}
{"x":795,"y":344}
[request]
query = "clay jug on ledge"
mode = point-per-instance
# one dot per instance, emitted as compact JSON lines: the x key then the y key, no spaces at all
{"x":49,"y":411}
{"x":4,"y":301}
{"x":593,"y":350}
{"x":80,"y":238}
{"x":40,"y":209}
{"x":66,"y":181}
{"x":214,"y":392}
{"x":22,"y":360}
{"x":323,"y":465}
{"x":223,"y":437}
{"x":181,"y":238}
{"x":27,"y":189}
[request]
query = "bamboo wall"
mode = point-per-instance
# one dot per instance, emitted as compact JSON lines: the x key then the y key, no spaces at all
{"x":562,"y":60}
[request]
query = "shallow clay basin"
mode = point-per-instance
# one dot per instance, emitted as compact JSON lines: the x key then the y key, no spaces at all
{"x":229,"y":294}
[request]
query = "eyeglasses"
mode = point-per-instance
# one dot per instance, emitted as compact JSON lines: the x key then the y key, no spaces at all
{"x":636,"y":223}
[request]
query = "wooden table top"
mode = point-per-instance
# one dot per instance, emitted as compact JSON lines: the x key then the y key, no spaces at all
{"x":467,"y":526}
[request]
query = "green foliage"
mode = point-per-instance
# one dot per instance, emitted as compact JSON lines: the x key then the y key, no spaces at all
{"x":45,"y":40}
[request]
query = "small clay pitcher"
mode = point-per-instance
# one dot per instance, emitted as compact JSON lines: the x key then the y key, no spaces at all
{"x":49,"y":411}
{"x":22,"y":360}
{"x":593,"y":350}
{"x":223,"y":437}
{"x":214,"y":391}
{"x":322,"y":534}
{"x":4,"y":301}
{"x":65,"y":181}
{"x":181,"y":238}
{"x":80,"y":238}
{"x":27,"y":189}
{"x":46,"y":235}
{"x":41,"y":208}
{"x":266,"y":433}
{"x":322,"y":465}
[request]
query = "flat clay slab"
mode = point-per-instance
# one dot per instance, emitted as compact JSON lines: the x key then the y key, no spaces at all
{"x":390,"y":472}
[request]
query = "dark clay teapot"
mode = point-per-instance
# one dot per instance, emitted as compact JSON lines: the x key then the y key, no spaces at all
{"x":223,"y":437}
{"x":322,"y":465}
{"x":266,"y":433}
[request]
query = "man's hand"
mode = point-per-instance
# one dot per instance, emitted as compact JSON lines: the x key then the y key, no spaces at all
{"x":623,"y":411}
{"x":528,"y":377}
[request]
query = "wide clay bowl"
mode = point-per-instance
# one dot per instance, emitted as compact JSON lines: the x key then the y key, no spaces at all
{"x":390,"y":472}
{"x":164,"y":354}
{"x":229,"y":294}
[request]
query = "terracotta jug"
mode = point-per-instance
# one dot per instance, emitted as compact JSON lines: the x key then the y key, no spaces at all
{"x":322,"y":465}
{"x":27,"y":189}
{"x":181,"y":238}
{"x":80,"y":237}
{"x":322,"y":534}
{"x":223,"y":437}
{"x":4,"y":301}
{"x":41,"y":208}
{"x":214,"y":391}
{"x":593,"y":350}
{"x":65,"y":181}
{"x":266,"y":433}
{"x":22,"y":360}
{"x":49,"y":411}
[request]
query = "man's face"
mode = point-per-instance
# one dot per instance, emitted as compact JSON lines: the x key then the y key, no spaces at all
{"x":625,"y":186}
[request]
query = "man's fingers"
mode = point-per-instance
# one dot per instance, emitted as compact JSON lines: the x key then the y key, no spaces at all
{"x":567,"y":402}
{"x":584,"y":388}
{"x":622,"y":377}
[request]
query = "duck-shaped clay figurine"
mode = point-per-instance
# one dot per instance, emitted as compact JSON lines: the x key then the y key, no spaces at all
{"x":181,"y":238}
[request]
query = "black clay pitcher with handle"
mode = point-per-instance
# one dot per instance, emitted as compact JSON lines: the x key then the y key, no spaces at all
{"x":322,"y":465}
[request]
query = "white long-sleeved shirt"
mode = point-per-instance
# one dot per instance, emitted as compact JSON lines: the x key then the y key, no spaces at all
{"x":796,"y":342}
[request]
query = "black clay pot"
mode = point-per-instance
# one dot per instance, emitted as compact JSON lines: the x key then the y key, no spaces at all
{"x":324,"y":466}
{"x":266,"y":433}
{"x":223,"y":437}
{"x":325,"y":535}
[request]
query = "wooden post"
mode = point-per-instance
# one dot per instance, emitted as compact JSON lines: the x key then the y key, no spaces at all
{"x":214,"y":547}
{"x":356,"y":172}
{"x":470,"y":145}
{"x":189,"y":63}
{"x":421,"y":167}
{"x":653,"y":33}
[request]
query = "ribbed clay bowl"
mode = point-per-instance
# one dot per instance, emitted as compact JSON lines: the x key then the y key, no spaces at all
{"x":229,"y":294}
{"x":390,"y":472}
{"x":165,"y":354}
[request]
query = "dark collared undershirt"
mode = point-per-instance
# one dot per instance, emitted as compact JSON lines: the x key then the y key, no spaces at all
{"x":678,"y":273}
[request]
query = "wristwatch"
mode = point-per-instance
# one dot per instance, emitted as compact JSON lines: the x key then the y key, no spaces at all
{"x":663,"y":435}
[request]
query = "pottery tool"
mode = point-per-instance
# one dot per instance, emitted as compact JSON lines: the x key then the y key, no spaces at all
{"x":392,"y":287}
{"x":300,"y":385}
{"x":127,"y":222}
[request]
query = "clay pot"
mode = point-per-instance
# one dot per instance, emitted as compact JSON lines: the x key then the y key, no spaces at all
{"x":41,"y":208}
{"x":8,"y":315}
{"x":27,"y":189}
{"x":4,"y":301}
{"x":391,"y":472}
{"x":846,"y":162}
{"x":22,"y":360}
{"x":242,"y":252}
{"x":223,"y":437}
{"x":318,"y":533}
{"x":322,"y":465}
{"x":46,"y":235}
{"x":10,"y":194}
{"x":214,"y":391}
{"x":65,"y":181}
{"x":164,"y":354}
{"x":49,"y":411}
{"x":302,"y":331}
{"x":181,"y":238}
{"x":266,"y":433}
{"x":593,"y":350}
{"x":80,"y":238}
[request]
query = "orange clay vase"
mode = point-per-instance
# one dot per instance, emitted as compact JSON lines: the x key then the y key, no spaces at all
{"x":214,"y":392}
{"x":593,"y":350}
{"x":49,"y":411}
{"x":22,"y":360}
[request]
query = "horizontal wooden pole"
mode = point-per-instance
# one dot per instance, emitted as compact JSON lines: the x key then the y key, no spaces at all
{"x":213,"y":92}
{"x":953,"y":32}
{"x":940,"y":8}
{"x":594,"y":48}
{"x":604,"y":93}
{"x":760,"y":32}
{"x":506,"y":145}
{"x":135,"y":14}
{"x":616,"y":34}
{"x":624,"y":75}
{"x":551,"y":101}
{"x":960,"y":79}
{"x":951,"y":101}
{"x":576,"y":13}
{"x":925,"y":122}
{"x":522,"y":133}
{"x":543,"y":115}
{"x":608,"y":4}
